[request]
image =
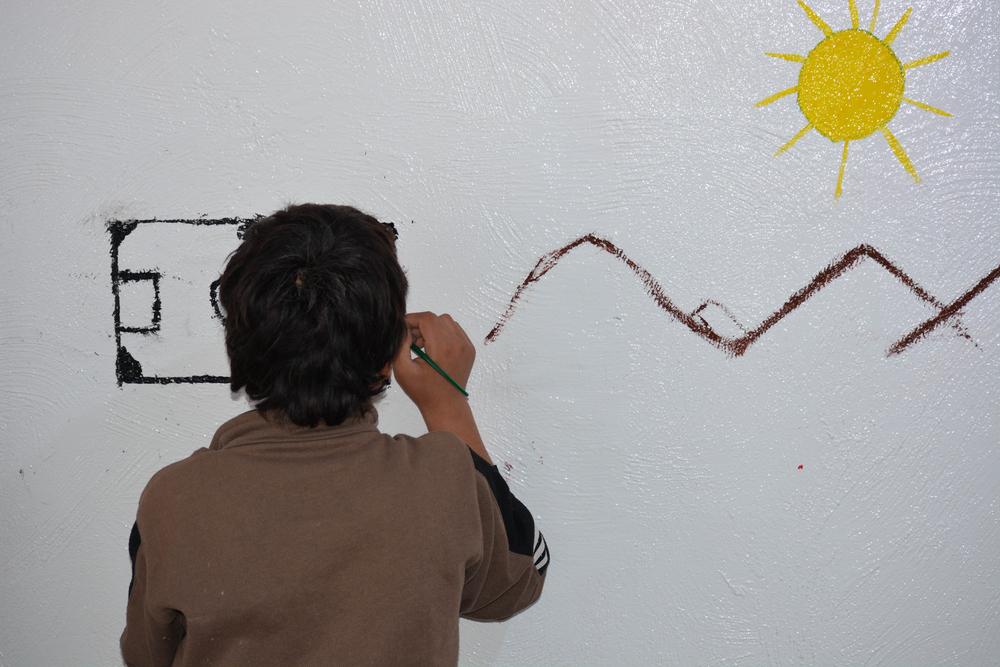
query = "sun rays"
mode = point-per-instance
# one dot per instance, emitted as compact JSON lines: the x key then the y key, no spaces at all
{"x":851,"y":86}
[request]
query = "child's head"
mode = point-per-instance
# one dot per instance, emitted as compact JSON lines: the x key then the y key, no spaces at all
{"x":315,"y":305}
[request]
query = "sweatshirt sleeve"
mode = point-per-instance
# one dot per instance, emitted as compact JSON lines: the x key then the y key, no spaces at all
{"x":151,"y":634}
{"x":511,"y":572}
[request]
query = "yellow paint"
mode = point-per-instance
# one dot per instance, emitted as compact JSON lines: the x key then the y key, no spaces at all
{"x":927,"y":60}
{"x":851,"y":86}
{"x":794,"y":57}
{"x":840,"y":176}
{"x":815,"y":18}
{"x":871,"y":28}
{"x":777,"y":96}
{"x":891,"y":37}
{"x":927,"y":107}
{"x":897,"y":149}
{"x":791,"y":142}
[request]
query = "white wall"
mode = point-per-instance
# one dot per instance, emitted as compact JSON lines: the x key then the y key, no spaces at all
{"x":664,"y":472}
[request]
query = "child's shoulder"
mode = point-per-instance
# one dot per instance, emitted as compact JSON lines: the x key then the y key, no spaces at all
{"x":197,"y":467}
{"x":440,"y":449}
{"x":172,"y":480}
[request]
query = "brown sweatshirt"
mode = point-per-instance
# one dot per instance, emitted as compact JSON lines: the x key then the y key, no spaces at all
{"x":284,"y":545}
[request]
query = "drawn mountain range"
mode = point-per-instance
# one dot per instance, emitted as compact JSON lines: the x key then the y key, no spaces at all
{"x":715,"y":323}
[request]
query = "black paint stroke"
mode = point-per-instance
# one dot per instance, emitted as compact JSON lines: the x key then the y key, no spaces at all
{"x":213,"y":298}
{"x":126,"y":276}
{"x":128,"y":370}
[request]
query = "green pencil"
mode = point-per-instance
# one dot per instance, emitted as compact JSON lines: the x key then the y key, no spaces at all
{"x":430,"y":362}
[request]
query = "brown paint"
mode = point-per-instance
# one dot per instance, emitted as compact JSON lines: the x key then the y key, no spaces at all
{"x":955,"y":306}
{"x":737,"y":346}
{"x":728,"y":313}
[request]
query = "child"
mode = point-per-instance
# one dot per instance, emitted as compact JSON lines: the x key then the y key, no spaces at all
{"x":303,"y":535}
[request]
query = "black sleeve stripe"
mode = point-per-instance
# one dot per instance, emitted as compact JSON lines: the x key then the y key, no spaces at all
{"x":540,"y":566}
{"x":517,"y":520}
{"x":541,"y":554}
{"x":540,"y":544}
{"x":134,"y":540}
{"x":545,"y":554}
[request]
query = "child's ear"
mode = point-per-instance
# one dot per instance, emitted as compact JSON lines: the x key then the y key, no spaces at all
{"x":386,"y":374}
{"x":386,"y":379}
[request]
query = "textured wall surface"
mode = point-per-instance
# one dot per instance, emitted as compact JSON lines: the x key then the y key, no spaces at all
{"x":810,"y":500}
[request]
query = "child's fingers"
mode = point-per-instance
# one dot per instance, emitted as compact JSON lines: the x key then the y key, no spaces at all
{"x":416,"y":338}
{"x":433,"y":331}
{"x":464,"y":334}
{"x":421,"y":327}
{"x":456,"y":332}
{"x":453,"y":328}
{"x":403,"y":358}
{"x":438,"y":334}
{"x":420,"y":320}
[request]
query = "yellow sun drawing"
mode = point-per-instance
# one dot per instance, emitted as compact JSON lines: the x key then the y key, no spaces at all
{"x":851,"y":85}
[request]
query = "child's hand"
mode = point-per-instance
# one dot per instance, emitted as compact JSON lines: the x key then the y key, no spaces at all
{"x":450,"y":348}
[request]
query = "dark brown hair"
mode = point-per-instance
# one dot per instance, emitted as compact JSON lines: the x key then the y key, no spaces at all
{"x":315,"y":305}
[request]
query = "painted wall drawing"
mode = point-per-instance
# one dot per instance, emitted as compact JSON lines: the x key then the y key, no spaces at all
{"x":946,"y":312}
{"x":193,"y":307}
{"x":758,"y":422}
{"x":852,"y":84}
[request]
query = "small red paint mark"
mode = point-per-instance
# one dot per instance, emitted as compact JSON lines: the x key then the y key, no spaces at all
{"x":801,"y":466}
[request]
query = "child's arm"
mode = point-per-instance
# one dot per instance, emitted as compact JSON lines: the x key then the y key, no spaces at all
{"x":443,"y":407}
{"x":151,"y":634}
{"x":509,"y":572}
